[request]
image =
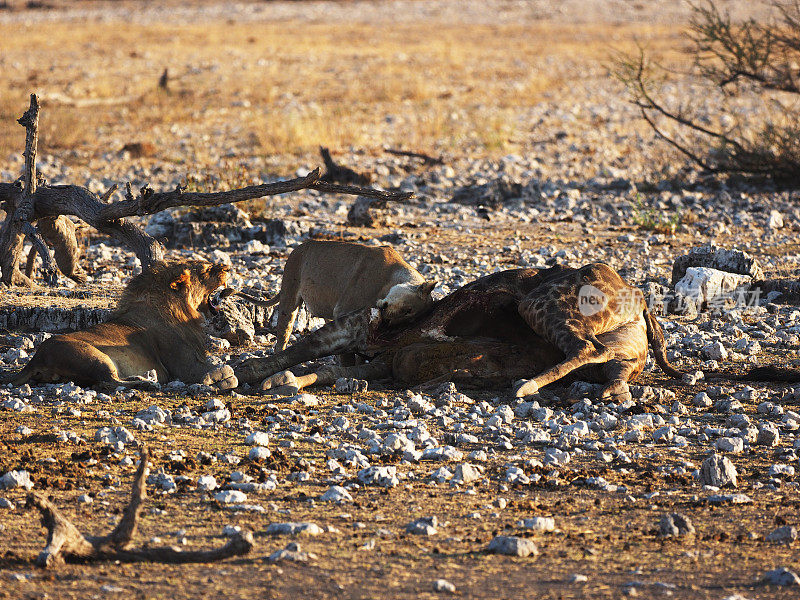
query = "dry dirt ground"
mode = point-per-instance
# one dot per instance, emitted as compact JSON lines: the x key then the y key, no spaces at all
{"x":254,"y":89}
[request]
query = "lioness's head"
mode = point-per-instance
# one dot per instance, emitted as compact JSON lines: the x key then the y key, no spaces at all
{"x":181,"y":290}
{"x":406,"y":300}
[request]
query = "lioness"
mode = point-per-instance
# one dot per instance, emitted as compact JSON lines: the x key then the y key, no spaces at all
{"x":157,"y":325}
{"x":336,"y":278}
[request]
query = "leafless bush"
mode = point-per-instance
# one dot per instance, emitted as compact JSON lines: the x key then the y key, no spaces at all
{"x":751,"y":72}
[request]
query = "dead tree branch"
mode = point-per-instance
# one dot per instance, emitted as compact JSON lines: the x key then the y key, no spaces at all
{"x":426,"y":159}
{"x":65,"y":541}
{"x":335,"y":173}
{"x":50,"y":204}
{"x":19,"y":211}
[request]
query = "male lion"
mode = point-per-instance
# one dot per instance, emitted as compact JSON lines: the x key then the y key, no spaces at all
{"x":336,"y":278}
{"x":157,"y":325}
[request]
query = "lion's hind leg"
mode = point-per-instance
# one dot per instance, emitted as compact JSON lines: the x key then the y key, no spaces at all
{"x":64,"y":359}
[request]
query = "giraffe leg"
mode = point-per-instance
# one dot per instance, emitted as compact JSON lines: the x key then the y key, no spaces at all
{"x":286,"y":383}
{"x":580,"y":351}
{"x":618,"y":372}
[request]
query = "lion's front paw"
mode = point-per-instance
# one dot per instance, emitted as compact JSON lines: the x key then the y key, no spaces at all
{"x":283,"y":383}
{"x":525,"y":387}
{"x":222,"y":378}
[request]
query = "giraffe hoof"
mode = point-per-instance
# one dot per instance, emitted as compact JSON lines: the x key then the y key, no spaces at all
{"x":525,"y":387}
{"x":617,"y":391}
{"x":281,"y":384}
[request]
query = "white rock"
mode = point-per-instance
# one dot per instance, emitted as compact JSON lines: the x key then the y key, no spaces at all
{"x":781,"y":470}
{"x":221,"y":415}
{"x":734,"y":445}
{"x":465,"y":474}
{"x":718,"y":471}
{"x":207,"y":483}
{"x":442,"y":453}
{"x":782,"y":535}
{"x":703,"y":284}
{"x":539,"y":523}
{"x":775,"y":220}
{"x":230,"y":496}
{"x":294,"y":529}
{"x":442,"y":585}
{"x":308,"y":400}
{"x":423,"y":526}
{"x":384,"y":476}
{"x":664,"y":434}
{"x":555,"y":457}
{"x":336,"y":494}
{"x":258,"y":453}
{"x":715,"y":351}
{"x":512,"y":546}
{"x":14,"y":479}
{"x":768,"y":435}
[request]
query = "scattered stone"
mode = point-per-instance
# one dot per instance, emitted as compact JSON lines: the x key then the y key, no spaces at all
{"x":423,"y":526}
{"x":207,"y":483}
{"x":465,"y":474}
{"x":512,"y":546}
{"x":704,"y":286}
{"x":734,"y":445}
{"x":257,"y":438}
{"x":718,"y":471}
{"x":294,"y":529}
{"x":782,"y":576}
{"x":336,"y":494}
{"x":345,"y":385}
{"x":730,"y":499}
{"x":230,"y":497}
{"x":539,"y":523}
{"x":383,"y":476}
{"x":292,"y":553}
{"x":730,"y":261}
{"x":768,"y":435}
{"x":782,"y":535}
{"x":258,"y":453}
{"x":14,"y":479}
{"x":444,"y":586}
{"x":675,"y":525}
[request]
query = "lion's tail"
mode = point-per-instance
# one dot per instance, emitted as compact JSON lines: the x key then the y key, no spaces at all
{"x":655,"y":336}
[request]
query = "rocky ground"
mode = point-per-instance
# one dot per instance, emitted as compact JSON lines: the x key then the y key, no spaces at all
{"x":689,"y":490}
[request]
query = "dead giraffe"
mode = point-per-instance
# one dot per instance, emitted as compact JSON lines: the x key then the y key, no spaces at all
{"x":493,"y":331}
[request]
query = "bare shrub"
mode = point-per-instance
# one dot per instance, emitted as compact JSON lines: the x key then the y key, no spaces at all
{"x":750,"y":73}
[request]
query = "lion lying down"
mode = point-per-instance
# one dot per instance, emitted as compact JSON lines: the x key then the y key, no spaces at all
{"x":157,"y":325}
{"x":501,"y":328}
